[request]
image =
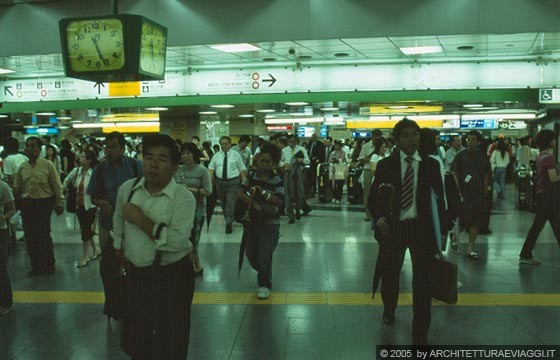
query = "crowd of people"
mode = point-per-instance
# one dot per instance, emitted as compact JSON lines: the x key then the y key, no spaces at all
{"x":141,"y":208}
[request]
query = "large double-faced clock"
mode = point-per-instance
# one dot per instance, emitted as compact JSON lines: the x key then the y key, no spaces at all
{"x":113,"y":48}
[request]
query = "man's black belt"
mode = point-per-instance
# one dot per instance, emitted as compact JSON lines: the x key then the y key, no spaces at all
{"x":235,"y":178}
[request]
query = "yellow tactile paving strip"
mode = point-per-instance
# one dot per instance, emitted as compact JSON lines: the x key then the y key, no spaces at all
{"x":320,"y":298}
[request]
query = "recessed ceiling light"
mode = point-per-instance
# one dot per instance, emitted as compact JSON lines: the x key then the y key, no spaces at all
{"x":297,"y":103}
{"x":465,"y":47}
{"x":207,"y":112}
{"x":419,"y":50}
{"x":473,"y":105}
{"x":157,"y":108}
{"x":269,"y":59}
{"x":341,"y":54}
{"x":329,"y":109}
{"x":266,"y":110}
{"x":45,"y":114}
{"x":234,"y":48}
{"x":6,"y":71}
{"x":222,"y":106}
{"x":246,"y":115}
{"x":304,"y":57}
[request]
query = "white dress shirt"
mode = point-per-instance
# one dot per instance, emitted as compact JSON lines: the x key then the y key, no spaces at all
{"x":412,"y":212}
{"x":288,"y":153}
{"x":235,"y":164}
{"x":174,"y":206}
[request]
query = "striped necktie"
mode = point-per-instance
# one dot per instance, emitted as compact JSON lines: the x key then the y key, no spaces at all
{"x":407,"y":185}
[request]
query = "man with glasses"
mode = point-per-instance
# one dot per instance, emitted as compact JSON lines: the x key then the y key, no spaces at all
{"x":105,"y":181}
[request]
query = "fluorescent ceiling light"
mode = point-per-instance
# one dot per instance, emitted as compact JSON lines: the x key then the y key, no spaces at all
{"x":45,"y":114}
{"x":92,"y":125}
{"x":433,"y":117}
{"x":335,"y":123}
{"x":207,"y":112}
{"x":2,"y":116}
{"x":297,"y":103}
{"x":6,"y":71}
{"x":157,"y":108}
{"x":64,"y":127}
{"x":329,"y":109}
{"x":64,"y":118}
{"x":246,"y":115}
{"x":119,"y":124}
{"x":293,"y":121}
{"x":526,"y":116}
{"x":76,"y":121}
{"x":473,"y":105}
{"x":222,"y":106}
{"x":419,"y":50}
{"x":266,"y":110}
{"x":396,"y":107}
{"x":234,"y":48}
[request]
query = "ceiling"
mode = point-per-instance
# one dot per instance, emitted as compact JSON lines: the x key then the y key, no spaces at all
{"x":385,"y":50}
{"x":456,"y":48}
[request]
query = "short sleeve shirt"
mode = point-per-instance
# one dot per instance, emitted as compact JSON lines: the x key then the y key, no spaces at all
{"x":545,"y":162}
{"x":273,"y":185}
{"x":5,"y":197}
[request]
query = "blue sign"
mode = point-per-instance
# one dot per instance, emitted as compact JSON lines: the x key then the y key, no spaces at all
{"x":361,"y":134}
{"x":42,"y":131}
{"x":324,"y":131}
{"x":479,"y":124}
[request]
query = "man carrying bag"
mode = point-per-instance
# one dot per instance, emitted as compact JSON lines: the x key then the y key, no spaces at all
{"x":151,"y":237}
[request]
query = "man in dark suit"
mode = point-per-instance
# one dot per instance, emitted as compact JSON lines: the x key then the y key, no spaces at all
{"x":404,"y":220}
{"x":316,"y":151}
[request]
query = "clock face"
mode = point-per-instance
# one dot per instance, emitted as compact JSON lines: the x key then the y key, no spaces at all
{"x":95,"y":45}
{"x":152,"y":49}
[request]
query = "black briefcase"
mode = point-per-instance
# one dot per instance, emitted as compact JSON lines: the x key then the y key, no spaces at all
{"x":443,"y":282}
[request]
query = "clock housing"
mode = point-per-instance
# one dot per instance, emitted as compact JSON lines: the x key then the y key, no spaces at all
{"x":113,"y":48}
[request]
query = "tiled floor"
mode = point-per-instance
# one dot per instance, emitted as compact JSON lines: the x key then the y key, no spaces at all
{"x":323,"y":269}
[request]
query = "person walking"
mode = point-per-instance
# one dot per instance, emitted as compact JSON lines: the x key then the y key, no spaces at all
{"x":151,"y":226}
{"x":406,"y":222}
{"x":38,"y":184}
{"x":195,"y":178}
{"x":499,"y":162}
{"x":78,"y":180}
{"x":294,"y":157}
{"x":547,"y":196}
{"x":7,"y":210}
{"x":266,"y":190}
{"x":105,"y":180}
{"x":228,"y":170}
{"x":471,"y":169}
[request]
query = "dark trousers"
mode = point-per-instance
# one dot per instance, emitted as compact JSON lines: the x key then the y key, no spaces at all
{"x":86,"y":218}
{"x":158,"y":316}
{"x":337,"y":189}
{"x":109,"y":269}
{"x":6,"y":297}
{"x":394,"y":250}
{"x":546,"y":211}
{"x":262,"y":240}
{"x":36,"y":215}
{"x":228,"y":191}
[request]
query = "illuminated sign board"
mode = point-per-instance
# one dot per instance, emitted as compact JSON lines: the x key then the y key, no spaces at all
{"x":305,"y":131}
{"x":361,"y":134}
{"x":479,"y":124}
{"x":279,"y":128}
{"x":42,"y":131}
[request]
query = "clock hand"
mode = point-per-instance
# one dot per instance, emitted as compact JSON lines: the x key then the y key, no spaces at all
{"x":98,"y":49}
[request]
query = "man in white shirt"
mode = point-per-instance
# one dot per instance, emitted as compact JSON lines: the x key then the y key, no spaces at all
{"x":228,"y":170}
{"x":151,"y":227}
{"x":454,"y":148}
{"x":13,"y":161}
{"x":366,"y":152}
{"x":293,"y":158}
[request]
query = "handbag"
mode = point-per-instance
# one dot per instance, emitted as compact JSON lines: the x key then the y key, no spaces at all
{"x":443,"y":282}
